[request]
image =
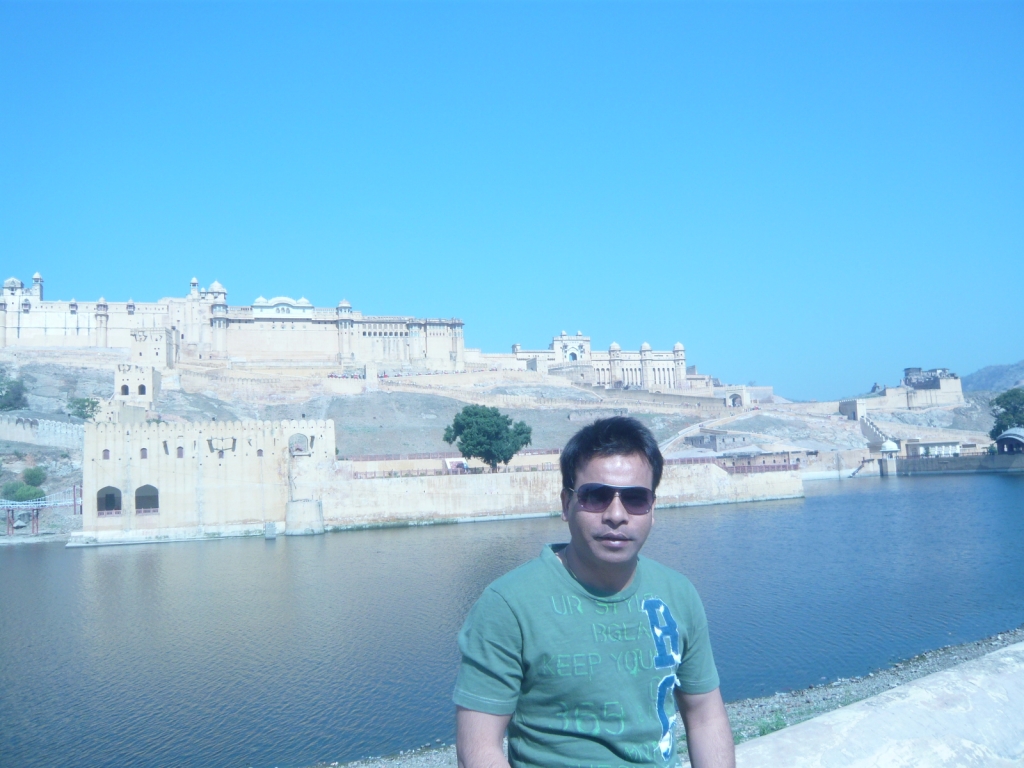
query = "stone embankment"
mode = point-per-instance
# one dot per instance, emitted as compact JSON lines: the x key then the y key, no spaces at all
{"x":752,"y":718}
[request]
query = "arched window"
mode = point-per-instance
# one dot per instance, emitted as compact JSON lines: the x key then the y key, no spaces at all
{"x":124,"y":389}
{"x":142,"y":389}
{"x":108,"y":501}
{"x":181,"y":452}
{"x":106,"y":453}
{"x":144,"y":454}
{"x":572,"y":356}
{"x":298,"y":445}
{"x":147,"y":500}
{"x":220,"y":454}
{"x":259,"y":453}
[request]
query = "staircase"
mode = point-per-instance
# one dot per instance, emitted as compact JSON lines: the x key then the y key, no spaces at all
{"x":874,"y":435}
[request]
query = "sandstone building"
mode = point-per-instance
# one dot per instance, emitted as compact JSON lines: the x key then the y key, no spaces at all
{"x":203,"y":326}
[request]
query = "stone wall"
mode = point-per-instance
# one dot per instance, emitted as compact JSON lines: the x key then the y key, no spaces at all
{"x":212,"y":478}
{"x":60,"y":434}
{"x":204,"y":496}
{"x":945,"y":465}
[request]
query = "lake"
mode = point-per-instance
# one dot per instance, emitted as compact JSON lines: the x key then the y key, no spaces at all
{"x":286,"y":652}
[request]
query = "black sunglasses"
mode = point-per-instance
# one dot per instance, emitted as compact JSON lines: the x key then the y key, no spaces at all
{"x":596,"y":497}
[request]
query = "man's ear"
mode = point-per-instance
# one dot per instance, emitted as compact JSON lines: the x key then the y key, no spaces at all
{"x":566,"y":498}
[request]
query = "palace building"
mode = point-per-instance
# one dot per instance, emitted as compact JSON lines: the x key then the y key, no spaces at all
{"x":203,"y":326}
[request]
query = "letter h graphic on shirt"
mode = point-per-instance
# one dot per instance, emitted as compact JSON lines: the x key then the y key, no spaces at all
{"x":665,"y":633}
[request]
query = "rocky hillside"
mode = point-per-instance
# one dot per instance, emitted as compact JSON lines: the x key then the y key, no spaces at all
{"x":995,"y":378}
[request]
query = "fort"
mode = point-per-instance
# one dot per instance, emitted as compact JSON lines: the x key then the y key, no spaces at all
{"x":156,"y":465}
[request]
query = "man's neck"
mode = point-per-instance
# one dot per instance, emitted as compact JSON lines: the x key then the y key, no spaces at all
{"x":607,"y":578}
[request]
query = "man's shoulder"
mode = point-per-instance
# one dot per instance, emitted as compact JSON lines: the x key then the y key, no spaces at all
{"x":662,"y":576}
{"x":522,"y":579}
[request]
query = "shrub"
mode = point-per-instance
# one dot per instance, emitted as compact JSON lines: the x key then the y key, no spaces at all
{"x":34,"y":476}
{"x":83,"y":407}
{"x":12,"y":392}
{"x":11,"y":489}
{"x":28,"y":493}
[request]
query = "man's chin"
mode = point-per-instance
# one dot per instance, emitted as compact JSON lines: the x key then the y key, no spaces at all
{"x":614,"y":552}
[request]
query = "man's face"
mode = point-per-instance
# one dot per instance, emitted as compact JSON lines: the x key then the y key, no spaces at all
{"x":614,"y":536}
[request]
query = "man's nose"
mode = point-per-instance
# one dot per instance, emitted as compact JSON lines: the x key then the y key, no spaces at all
{"x":616,"y":514}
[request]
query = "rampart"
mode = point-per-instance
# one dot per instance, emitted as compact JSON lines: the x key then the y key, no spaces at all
{"x":60,"y":434}
{"x":491,"y":496}
{"x":167,"y":481}
{"x":955,"y":465}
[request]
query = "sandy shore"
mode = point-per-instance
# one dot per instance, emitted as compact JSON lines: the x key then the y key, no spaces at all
{"x":751,"y":718}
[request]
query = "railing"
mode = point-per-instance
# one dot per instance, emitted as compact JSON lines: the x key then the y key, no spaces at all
{"x":756,"y":468}
{"x":71,"y":497}
{"x":147,"y":511}
{"x":394,"y":473}
{"x":442,"y":455}
{"x":736,"y":468}
{"x":107,"y":512}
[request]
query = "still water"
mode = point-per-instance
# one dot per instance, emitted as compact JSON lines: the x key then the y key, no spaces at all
{"x":282,"y":653}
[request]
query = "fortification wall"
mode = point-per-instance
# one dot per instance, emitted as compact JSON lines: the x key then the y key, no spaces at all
{"x":212,"y":478}
{"x":60,"y":434}
{"x":451,"y":498}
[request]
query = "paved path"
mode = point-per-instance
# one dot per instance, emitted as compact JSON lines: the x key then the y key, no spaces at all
{"x":970,"y":715}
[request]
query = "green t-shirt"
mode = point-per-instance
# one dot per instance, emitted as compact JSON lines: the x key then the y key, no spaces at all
{"x":587,"y":678}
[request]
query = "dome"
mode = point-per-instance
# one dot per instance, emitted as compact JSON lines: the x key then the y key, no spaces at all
{"x":614,"y":347}
{"x":194,"y":281}
{"x":564,"y":333}
{"x":12,"y":282}
{"x":303,"y":302}
{"x":890,"y":447}
{"x":678,"y":347}
{"x":101,"y":301}
{"x":579,"y":333}
{"x":344,"y":304}
{"x":645,"y":347}
{"x":37,"y":276}
{"x":216,"y":287}
{"x":260,"y":302}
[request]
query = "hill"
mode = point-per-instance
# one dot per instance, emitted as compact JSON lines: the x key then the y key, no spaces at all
{"x":995,"y":378}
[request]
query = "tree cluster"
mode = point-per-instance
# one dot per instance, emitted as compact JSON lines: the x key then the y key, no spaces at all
{"x":83,"y":407}
{"x":1008,"y":409}
{"x":12,"y":392}
{"x":487,"y":434}
{"x":27,"y":488}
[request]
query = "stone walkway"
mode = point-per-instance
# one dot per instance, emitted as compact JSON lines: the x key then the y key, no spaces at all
{"x":970,"y":715}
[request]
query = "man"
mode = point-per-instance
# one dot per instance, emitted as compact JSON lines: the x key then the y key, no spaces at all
{"x":580,"y":652}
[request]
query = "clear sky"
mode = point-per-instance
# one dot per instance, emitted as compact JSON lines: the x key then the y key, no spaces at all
{"x":811,"y":195}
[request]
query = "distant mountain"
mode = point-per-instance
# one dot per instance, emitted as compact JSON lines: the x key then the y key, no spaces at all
{"x":995,"y":378}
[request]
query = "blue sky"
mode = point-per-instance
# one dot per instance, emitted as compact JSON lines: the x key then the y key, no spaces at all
{"x":811,"y":195}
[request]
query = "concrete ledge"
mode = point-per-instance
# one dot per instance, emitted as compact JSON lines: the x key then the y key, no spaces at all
{"x":157,"y":535}
{"x":971,"y":715}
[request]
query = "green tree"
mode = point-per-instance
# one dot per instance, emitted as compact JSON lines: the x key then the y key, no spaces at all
{"x":487,"y":434}
{"x":34,"y":476}
{"x":28,"y":493}
{"x":11,"y":488}
{"x":83,"y":407}
{"x":1008,"y":409}
{"x":12,"y":392}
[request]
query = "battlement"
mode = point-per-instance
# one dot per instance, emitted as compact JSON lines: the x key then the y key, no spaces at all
{"x":243,"y":430}
{"x":60,"y":434}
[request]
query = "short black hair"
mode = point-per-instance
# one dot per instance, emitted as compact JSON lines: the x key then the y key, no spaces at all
{"x":616,"y":436}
